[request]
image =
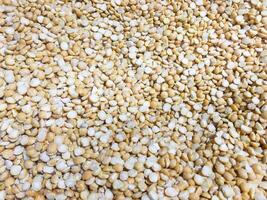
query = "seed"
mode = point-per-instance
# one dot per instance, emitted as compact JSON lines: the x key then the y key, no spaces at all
{"x":72,"y":114}
{"x":246,"y":129}
{"x":97,"y":36}
{"x":199,"y":179}
{"x":9,"y":76}
{"x":21,"y":117}
{"x":2,"y":194}
{"x":242,"y":173}
{"x":171,"y":192}
{"x":228,"y":191}
{"x":220,"y":168}
{"x":187,"y":173}
{"x":52,"y":148}
{"x":35,"y":82}
{"x":123,"y":117}
{"x":87,"y":175}
{"x":244,"y":187}
{"x":102,"y":115}
{"x":3,"y":106}
{"x":207,"y":171}
{"x":153,"y":177}
{"x":94,"y":98}
{"x":64,"y":46}
{"x":15,"y":170}
{"x":257,"y":168}
{"x":22,"y":88}
{"x":9,"y":30}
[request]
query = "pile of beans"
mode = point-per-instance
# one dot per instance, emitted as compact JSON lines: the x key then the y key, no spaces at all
{"x":133,"y":99}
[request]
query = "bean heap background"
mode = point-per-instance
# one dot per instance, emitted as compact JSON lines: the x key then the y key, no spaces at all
{"x":133,"y":99}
